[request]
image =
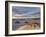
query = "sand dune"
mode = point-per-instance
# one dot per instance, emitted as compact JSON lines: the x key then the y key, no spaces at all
{"x":29,"y":26}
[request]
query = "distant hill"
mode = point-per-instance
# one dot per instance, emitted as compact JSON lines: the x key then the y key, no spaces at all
{"x":34,"y":15}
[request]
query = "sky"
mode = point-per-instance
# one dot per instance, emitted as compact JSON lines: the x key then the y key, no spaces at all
{"x":25,"y":10}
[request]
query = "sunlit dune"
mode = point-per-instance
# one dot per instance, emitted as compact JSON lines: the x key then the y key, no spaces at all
{"x":29,"y":26}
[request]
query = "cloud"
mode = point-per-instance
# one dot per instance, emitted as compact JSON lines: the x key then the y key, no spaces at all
{"x":25,"y":11}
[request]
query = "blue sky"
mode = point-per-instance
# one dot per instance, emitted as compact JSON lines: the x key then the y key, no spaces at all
{"x":25,"y":10}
